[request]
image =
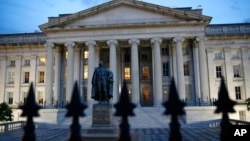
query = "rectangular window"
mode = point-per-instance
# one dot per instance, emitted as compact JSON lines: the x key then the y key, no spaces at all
{"x":186,"y":69}
{"x":218,"y":55}
{"x":27,"y":62}
{"x":218,"y":71}
{"x":26,"y":77}
{"x":40,"y":97}
{"x":10,"y":95}
{"x":85,"y":71}
{"x":165,"y":69}
{"x":12,"y":63}
{"x":238,"y":92}
{"x":86,"y":54}
{"x":164,"y":51}
{"x":25,"y":95}
{"x":127,"y":75}
{"x":236,"y":70}
{"x":42,"y":60}
{"x":11,"y":77}
{"x":235,"y":54}
{"x":186,"y":51}
{"x":41,"y":77}
{"x":145,"y":73}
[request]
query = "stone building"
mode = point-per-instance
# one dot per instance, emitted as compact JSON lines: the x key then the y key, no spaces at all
{"x":143,"y":43}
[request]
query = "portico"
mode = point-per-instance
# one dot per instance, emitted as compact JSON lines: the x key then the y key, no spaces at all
{"x":145,"y":53}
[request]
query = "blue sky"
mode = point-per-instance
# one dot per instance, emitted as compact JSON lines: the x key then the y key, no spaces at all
{"x":23,"y":16}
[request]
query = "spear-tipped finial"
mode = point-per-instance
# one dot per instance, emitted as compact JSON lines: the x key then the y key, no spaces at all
{"x":75,"y":109}
{"x":30,"y":110}
{"x":225,"y":105}
{"x":174,"y":107}
{"x":124,"y":108}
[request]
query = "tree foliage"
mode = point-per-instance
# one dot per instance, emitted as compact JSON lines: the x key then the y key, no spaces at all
{"x":5,"y":112}
{"x":248,"y":104}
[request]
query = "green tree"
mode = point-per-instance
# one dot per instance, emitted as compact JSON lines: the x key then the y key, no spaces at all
{"x":248,"y":104}
{"x":5,"y":112}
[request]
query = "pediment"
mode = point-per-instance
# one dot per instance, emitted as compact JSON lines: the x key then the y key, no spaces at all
{"x":123,"y":15}
{"x":123,"y":12}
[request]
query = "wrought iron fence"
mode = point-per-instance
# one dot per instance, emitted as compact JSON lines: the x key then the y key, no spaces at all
{"x":124,"y":108}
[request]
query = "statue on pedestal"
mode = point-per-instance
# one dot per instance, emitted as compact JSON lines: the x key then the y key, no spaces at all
{"x":102,"y":84}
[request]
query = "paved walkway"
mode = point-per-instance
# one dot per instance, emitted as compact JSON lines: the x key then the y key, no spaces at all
{"x":149,"y":122}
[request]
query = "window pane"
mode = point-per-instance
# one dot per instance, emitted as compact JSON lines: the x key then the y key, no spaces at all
{"x":145,"y":73}
{"x":218,"y":71}
{"x":11,"y":77}
{"x":127,"y":75}
{"x":238,"y":92}
{"x":26,"y":77}
{"x":186,"y":69}
{"x":42,"y":61}
{"x":85,"y":71}
{"x":236,"y":70}
{"x":86,"y":54}
{"x":10,"y":100}
{"x":41,"y":77}
{"x":165,"y":69}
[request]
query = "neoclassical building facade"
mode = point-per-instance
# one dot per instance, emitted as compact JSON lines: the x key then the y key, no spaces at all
{"x":142,"y":43}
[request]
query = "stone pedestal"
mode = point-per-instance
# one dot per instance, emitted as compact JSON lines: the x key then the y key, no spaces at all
{"x":102,"y":128}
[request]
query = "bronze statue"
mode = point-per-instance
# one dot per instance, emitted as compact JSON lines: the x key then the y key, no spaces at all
{"x":102,"y":84}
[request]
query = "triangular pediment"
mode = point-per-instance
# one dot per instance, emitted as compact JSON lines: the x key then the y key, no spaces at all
{"x":124,"y":12}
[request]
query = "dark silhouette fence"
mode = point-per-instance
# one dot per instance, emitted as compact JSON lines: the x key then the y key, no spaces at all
{"x":124,"y":108}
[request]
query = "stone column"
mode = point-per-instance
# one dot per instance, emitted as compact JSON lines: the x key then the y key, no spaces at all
{"x":57,"y":91}
{"x":135,"y":71}
{"x":18,"y":80}
{"x":180,"y":70}
{"x":113,"y":66}
{"x":70,"y":70}
{"x":203,"y":70}
{"x":49,"y":74}
{"x":246,"y":67}
{"x":3,"y":75}
{"x":77,"y":65}
{"x":91,"y":66}
{"x":157,"y":71}
{"x":196,"y":73}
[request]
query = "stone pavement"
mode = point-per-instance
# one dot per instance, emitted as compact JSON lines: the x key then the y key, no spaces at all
{"x":149,"y":122}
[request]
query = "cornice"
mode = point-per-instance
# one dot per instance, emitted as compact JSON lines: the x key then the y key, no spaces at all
{"x":188,"y":16}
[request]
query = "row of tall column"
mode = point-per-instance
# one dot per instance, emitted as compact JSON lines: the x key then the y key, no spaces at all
{"x":72,"y":66}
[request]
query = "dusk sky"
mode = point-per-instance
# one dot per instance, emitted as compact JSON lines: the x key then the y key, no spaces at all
{"x":24,"y":16}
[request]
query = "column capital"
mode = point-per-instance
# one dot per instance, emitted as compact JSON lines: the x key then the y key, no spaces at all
{"x":134,"y":41}
{"x":179,"y":39}
{"x":156,"y":40}
{"x":201,"y":38}
{"x":69,"y":44}
{"x":49,"y":44}
{"x":90,"y":43}
{"x":112,"y":41}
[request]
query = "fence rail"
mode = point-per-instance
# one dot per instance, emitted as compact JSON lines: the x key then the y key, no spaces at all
{"x":8,"y":126}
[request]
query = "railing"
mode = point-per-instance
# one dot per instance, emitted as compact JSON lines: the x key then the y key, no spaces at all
{"x":8,"y":126}
{"x":22,"y":38}
{"x":225,"y":29}
{"x":239,"y":122}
